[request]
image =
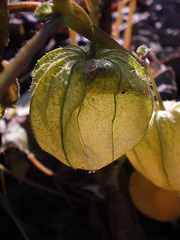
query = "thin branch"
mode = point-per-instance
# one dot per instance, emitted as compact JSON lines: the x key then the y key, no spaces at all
{"x":31,"y":183}
{"x":128,"y":31}
{"x":39,"y":165}
{"x":75,"y":24}
{"x":41,"y":187}
{"x":26,"y":53}
{"x":157,"y":94}
{"x":119,"y":20}
{"x":23,"y":6}
{"x":102,"y":39}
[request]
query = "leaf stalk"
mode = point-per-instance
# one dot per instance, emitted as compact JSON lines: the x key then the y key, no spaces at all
{"x":158,"y":97}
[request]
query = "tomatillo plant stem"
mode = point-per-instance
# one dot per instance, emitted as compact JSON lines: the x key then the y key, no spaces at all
{"x":77,"y":21}
{"x":158,"y":97}
{"x":31,"y":183}
{"x":24,"y":56}
{"x":23,"y":6}
{"x":71,"y":9}
{"x":76,"y":24}
{"x":39,"y":165}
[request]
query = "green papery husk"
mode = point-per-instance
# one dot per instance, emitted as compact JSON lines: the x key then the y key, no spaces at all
{"x":157,"y":156}
{"x":89,"y":112}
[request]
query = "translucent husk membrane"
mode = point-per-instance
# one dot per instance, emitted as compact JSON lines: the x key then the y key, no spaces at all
{"x":89,"y":112}
{"x":157,"y":156}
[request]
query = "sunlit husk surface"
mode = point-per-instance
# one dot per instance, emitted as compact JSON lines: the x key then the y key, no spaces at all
{"x":88,"y":113}
{"x":157,"y":156}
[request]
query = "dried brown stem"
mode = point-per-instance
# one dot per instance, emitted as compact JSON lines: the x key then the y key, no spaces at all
{"x":40,"y":166}
{"x":25,"y":54}
{"x":31,"y":183}
{"x":23,"y":7}
{"x":128,"y":31}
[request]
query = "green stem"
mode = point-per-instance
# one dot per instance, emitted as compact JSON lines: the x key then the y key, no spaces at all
{"x":102,"y":39}
{"x":25,"y":55}
{"x":81,"y":13}
{"x":93,"y":46}
{"x":76,"y":24}
{"x":158,"y":97}
{"x":75,"y":16}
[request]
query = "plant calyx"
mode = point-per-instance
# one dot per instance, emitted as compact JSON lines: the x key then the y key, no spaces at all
{"x":157,"y":156}
{"x":88,"y":113}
